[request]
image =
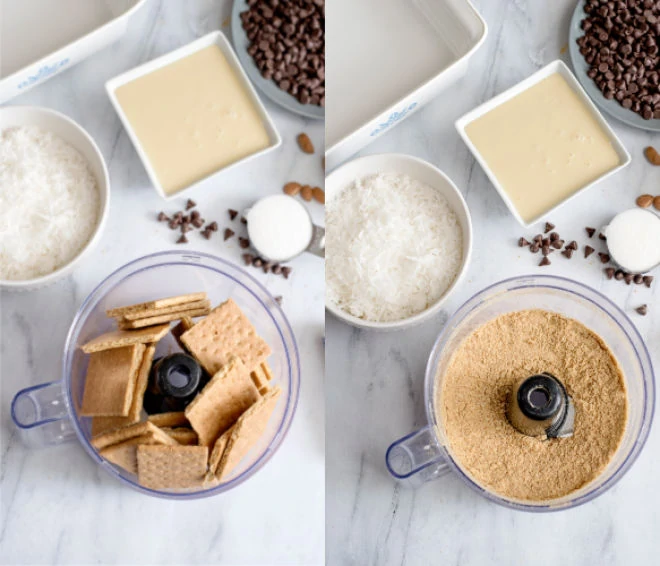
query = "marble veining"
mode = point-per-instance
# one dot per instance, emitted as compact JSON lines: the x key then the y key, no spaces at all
{"x":374,"y":391}
{"x":56,"y":506}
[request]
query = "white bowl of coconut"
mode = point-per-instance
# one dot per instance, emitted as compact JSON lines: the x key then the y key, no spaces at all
{"x":54,"y":196}
{"x":398,"y":241}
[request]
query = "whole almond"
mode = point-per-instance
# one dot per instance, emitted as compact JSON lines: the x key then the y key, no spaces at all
{"x":306,"y":193}
{"x":292,"y":188}
{"x":318,"y":194}
{"x":305,"y":143}
{"x":644,"y":201}
{"x":656,"y":203}
{"x":652,"y":155}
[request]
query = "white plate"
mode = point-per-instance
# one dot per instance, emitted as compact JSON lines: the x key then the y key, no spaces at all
{"x":554,"y":67}
{"x":214,"y":38}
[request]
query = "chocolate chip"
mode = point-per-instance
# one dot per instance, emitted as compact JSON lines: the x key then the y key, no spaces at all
{"x":545,"y":242}
{"x":228,"y":233}
{"x":554,"y":236}
{"x":173,"y":224}
{"x":544,"y":261}
{"x":534,"y":248}
{"x":248,"y":259}
{"x":277,"y":269}
{"x":642,"y":310}
{"x":286,"y":271}
{"x":590,"y":231}
{"x":185,"y":227}
{"x":568,"y":253}
{"x":604,"y":258}
{"x":538,"y":238}
{"x":162,"y":217}
{"x":638,"y":279}
{"x":609,"y":272}
{"x":648,"y":279}
{"x":522,"y":242}
{"x":628,"y":278}
{"x":548,"y":227}
{"x":266,"y":266}
{"x":207,"y":234}
{"x":198,"y":222}
{"x":601,"y":236}
{"x":244,"y":243}
{"x":232,"y":214}
{"x":572,"y":246}
{"x":278,"y":299}
{"x":588,"y":250}
{"x":243,"y":220}
{"x":190,"y":204}
{"x":182,"y":239}
{"x":213,"y":226}
{"x":194,"y":214}
{"x":557,"y":244}
{"x":619,"y":275}
{"x":545,"y":250}
{"x":257,"y":262}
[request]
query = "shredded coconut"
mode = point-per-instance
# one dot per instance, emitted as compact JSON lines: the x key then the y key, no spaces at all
{"x":393,"y":247}
{"x":49,"y":203}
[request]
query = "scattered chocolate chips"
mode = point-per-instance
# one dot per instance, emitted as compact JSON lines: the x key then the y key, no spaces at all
{"x":198,"y":222}
{"x":554,"y":236}
{"x":643,"y":309}
{"x":619,"y":275}
{"x":213,"y":226}
{"x":228,"y":233}
{"x":232,"y":214}
{"x":182,"y":239}
{"x":278,"y":299}
{"x":522,"y":242}
{"x":277,"y":269}
{"x":162,"y":217}
{"x":286,"y":271}
{"x":628,"y":277}
{"x":538,"y":238}
{"x":568,"y":253}
{"x":545,"y":242}
{"x":604,"y":258}
{"x":266,"y":266}
{"x":207,"y":234}
{"x":190,"y":204}
{"x":602,"y":236}
{"x":243,"y":220}
{"x":572,"y":246}
{"x":558,"y":244}
{"x":185,"y":227}
{"x":257,"y":262}
{"x":287,"y":44}
{"x":620,"y":45}
{"x":244,"y":243}
{"x":588,"y":250}
{"x":638,"y":279}
{"x":173,"y":224}
{"x":545,"y":250}
{"x":248,"y":259}
{"x":590,"y":231}
{"x":648,"y":279}
{"x":548,"y":227}
{"x":534,"y":248}
{"x":544,"y":261}
{"x":609,"y":272}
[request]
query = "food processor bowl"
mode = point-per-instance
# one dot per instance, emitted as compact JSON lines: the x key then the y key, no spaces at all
{"x":49,"y":413}
{"x":426,"y":455}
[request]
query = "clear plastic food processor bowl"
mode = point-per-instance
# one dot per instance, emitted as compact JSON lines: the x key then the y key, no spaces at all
{"x":424,"y":455}
{"x":48,"y":413}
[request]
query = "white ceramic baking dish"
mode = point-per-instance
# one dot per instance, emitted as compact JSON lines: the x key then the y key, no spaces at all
{"x":213,"y":38}
{"x":385,"y":59}
{"x":41,"y":38}
{"x":560,"y":67}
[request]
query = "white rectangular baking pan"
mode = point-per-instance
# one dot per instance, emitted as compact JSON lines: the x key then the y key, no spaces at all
{"x":41,"y":38}
{"x":385,"y":59}
{"x":560,"y":67}
{"x":213,"y":38}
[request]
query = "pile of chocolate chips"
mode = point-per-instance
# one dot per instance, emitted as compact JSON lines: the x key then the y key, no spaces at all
{"x":620,"y":44}
{"x":185,"y":222}
{"x":287,"y":43}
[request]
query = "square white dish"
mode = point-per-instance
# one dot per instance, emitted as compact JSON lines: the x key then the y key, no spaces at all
{"x":385,"y":59}
{"x":41,"y":38}
{"x":559,"y":67}
{"x":213,"y":38}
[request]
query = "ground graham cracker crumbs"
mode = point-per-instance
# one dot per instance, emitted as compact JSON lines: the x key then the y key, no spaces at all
{"x":472,"y":405}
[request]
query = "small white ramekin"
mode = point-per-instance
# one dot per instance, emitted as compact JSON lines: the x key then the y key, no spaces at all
{"x":72,"y":133}
{"x":422,"y":171}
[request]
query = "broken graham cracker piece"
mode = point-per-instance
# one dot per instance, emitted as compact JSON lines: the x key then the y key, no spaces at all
{"x":223,"y":399}
{"x":152,"y":321}
{"x":224,"y":332}
{"x":156,"y":304}
{"x":171,"y":467}
{"x":132,"y":431}
{"x":173,"y":419}
{"x":260,"y":379}
{"x":247,"y":431}
{"x":104,"y":424}
{"x":217,"y":452}
{"x":121,"y":338}
{"x":110,"y":382}
{"x":124,"y":454}
{"x":185,"y":324}
{"x":267,"y":371}
{"x":182,"y":435}
{"x":148,"y":313}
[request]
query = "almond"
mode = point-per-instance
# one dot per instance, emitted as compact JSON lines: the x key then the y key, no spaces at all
{"x":652,"y":155}
{"x":306,"y":193}
{"x":644,"y":201}
{"x":318,"y":194}
{"x":292,"y":188}
{"x":656,"y":203}
{"x":305,"y":143}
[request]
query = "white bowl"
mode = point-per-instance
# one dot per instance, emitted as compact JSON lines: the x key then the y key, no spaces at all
{"x":426,"y":173}
{"x":72,"y":133}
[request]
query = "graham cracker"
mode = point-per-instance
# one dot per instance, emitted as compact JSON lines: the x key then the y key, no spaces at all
{"x":229,"y":393}
{"x":247,"y":431}
{"x":167,"y":310}
{"x":151,"y":321}
{"x":185,"y":324}
{"x":171,"y":467}
{"x":224,"y":332}
{"x":104,"y":424}
{"x":174,"y":419}
{"x":124,"y":454}
{"x":121,"y":338}
{"x":110,"y":382}
{"x":182,"y":435}
{"x":132,"y":431}
{"x":156,"y":304}
{"x":267,"y":371}
{"x":218,"y":450}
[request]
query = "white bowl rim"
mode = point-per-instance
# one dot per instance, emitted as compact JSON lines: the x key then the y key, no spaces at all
{"x":104,"y":194}
{"x":467,"y":243}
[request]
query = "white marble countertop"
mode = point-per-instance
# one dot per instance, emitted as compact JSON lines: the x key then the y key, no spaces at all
{"x":375,"y":380}
{"x":56,"y":507}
